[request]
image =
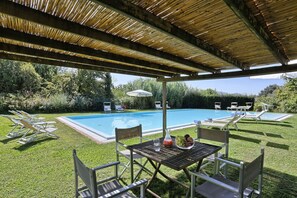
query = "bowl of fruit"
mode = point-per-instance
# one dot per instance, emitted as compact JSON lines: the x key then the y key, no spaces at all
{"x":184,"y":142}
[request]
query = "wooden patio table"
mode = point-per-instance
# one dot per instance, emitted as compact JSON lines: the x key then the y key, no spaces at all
{"x":174,"y":158}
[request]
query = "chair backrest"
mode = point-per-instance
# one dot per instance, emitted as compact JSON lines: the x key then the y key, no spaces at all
{"x":127,"y":133}
{"x":107,"y":104}
{"x":86,"y":174}
{"x":217,"y":105}
{"x":158,"y":104}
{"x":249,"y":104}
{"x":251,"y":171}
{"x":234,"y":104}
{"x":167,"y":105}
{"x":16,"y":113}
{"x":215,"y":135}
{"x":28,"y":125}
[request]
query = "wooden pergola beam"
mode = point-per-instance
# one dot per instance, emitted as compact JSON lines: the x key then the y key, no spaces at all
{"x":35,"y":16}
{"x":49,"y":43}
{"x":143,"y":16}
{"x":244,"y":13}
{"x":24,"y":58}
{"x":74,"y":59}
{"x":237,"y":74}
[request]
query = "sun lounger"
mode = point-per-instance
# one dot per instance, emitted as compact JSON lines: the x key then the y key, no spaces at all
{"x":217,"y":105}
{"x":31,"y":117}
{"x":233,"y":106}
{"x":39,"y":129}
{"x":158,"y":105}
{"x":167,"y":106}
{"x":222,"y":124}
{"x":107,"y":107}
{"x":257,"y":116}
{"x":119,"y":108}
{"x":18,"y":128}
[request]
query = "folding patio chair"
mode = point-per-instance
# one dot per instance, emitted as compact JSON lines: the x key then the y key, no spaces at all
{"x":216,"y":137}
{"x":107,"y":187}
{"x":40,"y":129}
{"x":122,"y":135}
{"x":219,"y":186}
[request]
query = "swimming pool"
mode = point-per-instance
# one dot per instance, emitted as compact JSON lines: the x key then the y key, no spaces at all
{"x":105,"y":124}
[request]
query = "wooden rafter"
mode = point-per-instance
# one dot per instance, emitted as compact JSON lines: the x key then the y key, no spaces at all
{"x":243,"y":12}
{"x":74,"y":59}
{"x":49,"y":43}
{"x":40,"y":60}
{"x":26,"y":13}
{"x":143,"y":16}
{"x":236,"y":74}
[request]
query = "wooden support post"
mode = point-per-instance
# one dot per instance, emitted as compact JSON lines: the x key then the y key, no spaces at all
{"x":164,"y":98}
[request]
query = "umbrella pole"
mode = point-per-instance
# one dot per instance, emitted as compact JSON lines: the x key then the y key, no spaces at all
{"x":164,"y":98}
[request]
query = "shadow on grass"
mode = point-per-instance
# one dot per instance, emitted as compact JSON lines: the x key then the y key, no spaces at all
{"x":251,"y":131}
{"x":31,"y":144}
{"x":5,"y":141}
{"x":279,"y":146}
{"x":238,"y":137}
{"x":266,"y":122}
{"x":261,"y":133}
{"x":275,"y":184}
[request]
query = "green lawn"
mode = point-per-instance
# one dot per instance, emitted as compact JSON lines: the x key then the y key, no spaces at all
{"x":45,"y":168}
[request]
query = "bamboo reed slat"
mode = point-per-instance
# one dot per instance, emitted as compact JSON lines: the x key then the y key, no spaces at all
{"x":211,"y":21}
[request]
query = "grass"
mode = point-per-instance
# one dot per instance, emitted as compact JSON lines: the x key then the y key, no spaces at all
{"x":45,"y":168}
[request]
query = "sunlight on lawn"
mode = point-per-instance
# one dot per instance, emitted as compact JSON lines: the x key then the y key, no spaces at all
{"x":45,"y":168}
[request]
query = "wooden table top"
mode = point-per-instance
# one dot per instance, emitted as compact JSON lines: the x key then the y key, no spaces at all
{"x":174,"y":157}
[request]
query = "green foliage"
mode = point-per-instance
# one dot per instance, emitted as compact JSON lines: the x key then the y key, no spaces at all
{"x":18,"y":77}
{"x":283,"y":99}
{"x":51,"y":89}
{"x":268,"y":90}
{"x":287,"y":96}
{"x":194,"y":99}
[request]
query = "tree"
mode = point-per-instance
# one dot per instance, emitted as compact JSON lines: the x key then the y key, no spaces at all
{"x":18,"y":77}
{"x":90,"y":83}
{"x":287,"y":96}
{"x":268,"y":90}
{"x":47,"y":72}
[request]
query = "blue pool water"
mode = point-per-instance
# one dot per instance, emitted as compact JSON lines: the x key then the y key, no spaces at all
{"x":105,"y":124}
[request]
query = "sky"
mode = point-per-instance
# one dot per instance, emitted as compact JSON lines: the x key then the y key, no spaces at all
{"x":243,"y":85}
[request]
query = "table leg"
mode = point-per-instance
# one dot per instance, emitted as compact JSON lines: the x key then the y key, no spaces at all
{"x":155,"y":173}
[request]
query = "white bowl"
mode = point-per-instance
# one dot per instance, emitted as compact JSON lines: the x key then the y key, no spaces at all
{"x":185,"y":148}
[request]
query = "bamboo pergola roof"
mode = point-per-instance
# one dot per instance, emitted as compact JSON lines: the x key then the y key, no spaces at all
{"x":171,"y":40}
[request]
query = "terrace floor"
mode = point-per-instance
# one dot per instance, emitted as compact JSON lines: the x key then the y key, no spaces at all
{"x":45,"y":168}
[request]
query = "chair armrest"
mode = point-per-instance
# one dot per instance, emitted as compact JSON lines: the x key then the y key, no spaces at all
{"x":105,"y":166}
{"x":122,"y":144}
{"x":228,"y":162}
{"x":126,"y":188}
{"x":214,"y":181}
{"x":148,"y":139}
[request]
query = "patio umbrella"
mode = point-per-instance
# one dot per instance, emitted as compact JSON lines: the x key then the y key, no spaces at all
{"x":139,"y":93}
